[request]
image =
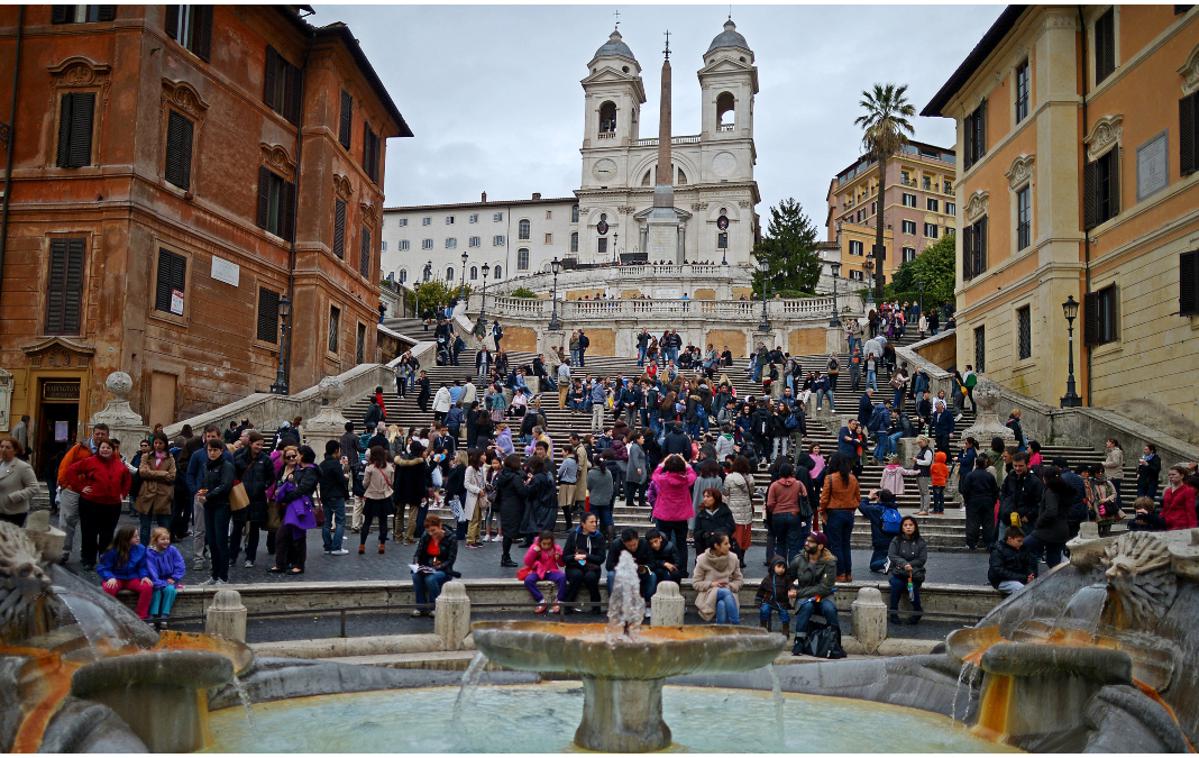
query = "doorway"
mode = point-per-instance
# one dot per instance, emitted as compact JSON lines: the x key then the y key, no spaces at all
{"x":162,"y":398}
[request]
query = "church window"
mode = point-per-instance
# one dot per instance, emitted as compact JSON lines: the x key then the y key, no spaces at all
{"x":497,"y":240}
{"x":607,"y":119}
{"x":682,"y":177}
{"x":726,"y":114}
{"x":523,"y":229}
{"x":475,"y":242}
{"x":497,"y":217}
{"x":403,"y":246}
{"x":574,"y":242}
{"x":549,"y":238}
{"x":449,"y":273}
{"x":499,"y":272}
{"x":403,"y":275}
{"x":522,"y":259}
{"x":474,"y":273}
{"x":602,"y":246}
{"x":645,"y":180}
{"x":474,"y":218}
{"x":426,"y":244}
{"x":451,"y":243}
{"x":574,"y":213}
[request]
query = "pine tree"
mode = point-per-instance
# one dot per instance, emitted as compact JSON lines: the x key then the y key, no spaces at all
{"x":789,"y":249}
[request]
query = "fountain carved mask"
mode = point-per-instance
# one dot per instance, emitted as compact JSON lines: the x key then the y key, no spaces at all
{"x":1138,"y":573}
{"x":24,"y":584}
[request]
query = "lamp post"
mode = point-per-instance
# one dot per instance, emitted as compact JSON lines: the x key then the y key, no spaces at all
{"x":555,"y":324}
{"x":869,"y":266}
{"x":462,"y":291}
{"x":615,"y":246}
{"x":920,"y":286}
{"x":483,"y":305}
{"x":764,"y":269}
{"x":1070,"y":309}
{"x":835,"y":267}
{"x":280,"y":385}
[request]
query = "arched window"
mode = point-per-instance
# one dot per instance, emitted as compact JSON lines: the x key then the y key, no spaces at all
{"x":403,"y":275}
{"x":682,"y":178}
{"x":607,"y":118}
{"x":574,"y":242}
{"x":499,"y":272}
{"x":474,"y":273}
{"x":449,"y":273}
{"x":522,"y":260}
{"x":726,"y":114}
{"x":523,"y":229}
{"x":647,"y":180}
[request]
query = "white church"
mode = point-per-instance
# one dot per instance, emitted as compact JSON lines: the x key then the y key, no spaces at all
{"x":626,"y":209}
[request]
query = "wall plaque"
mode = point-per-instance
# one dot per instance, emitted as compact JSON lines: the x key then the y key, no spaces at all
{"x":1152,"y":163}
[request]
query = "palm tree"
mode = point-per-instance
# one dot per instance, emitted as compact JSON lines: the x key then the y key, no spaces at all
{"x":885,"y":129}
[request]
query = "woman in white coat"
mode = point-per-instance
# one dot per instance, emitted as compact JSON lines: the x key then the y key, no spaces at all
{"x":476,"y":497}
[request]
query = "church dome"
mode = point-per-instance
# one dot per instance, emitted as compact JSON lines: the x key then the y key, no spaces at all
{"x":616,"y":48}
{"x":730,"y":37}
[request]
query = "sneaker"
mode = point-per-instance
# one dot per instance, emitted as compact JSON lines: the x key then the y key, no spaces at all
{"x":341,"y":551}
{"x":328,"y":552}
{"x":219,"y":582}
{"x":417,"y":613}
{"x":473,"y":545}
{"x":208,"y":582}
{"x":248,"y":564}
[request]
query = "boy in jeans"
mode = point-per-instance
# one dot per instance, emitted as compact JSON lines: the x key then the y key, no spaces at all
{"x":771,"y":597}
{"x":939,"y":474}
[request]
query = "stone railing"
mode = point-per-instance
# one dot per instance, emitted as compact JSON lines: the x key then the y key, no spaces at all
{"x":689,"y":139}
{"x":683,"y":277}
{"x":736,"y":311}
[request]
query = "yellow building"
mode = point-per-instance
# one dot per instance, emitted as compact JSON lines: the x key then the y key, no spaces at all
{"x":918,"y":202}
{"x":1077,"y":178}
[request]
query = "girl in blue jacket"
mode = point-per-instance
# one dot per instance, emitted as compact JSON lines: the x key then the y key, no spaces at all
{"x":167,"y":568}
{"x":124,"y":567}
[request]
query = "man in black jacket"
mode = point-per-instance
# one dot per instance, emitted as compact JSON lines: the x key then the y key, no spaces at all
{"x":980,"y":492}
{"x":866,"y":407}
{"x":333,"y":476}
{"x":1021,"y":494}
{"x":1012,"y":567}
{"x":677,"y":442}
{"x":584,"y":552}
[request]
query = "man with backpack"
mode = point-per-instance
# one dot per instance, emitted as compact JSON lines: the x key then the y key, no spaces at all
{"x":879,"y":425}
{"x":497,"y":333}
{"x":584,"y":343}
{"x":880,"y":509}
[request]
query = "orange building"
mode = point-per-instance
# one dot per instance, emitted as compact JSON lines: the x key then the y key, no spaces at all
{"x":175,"y":172}
{"x":1077,"y":178}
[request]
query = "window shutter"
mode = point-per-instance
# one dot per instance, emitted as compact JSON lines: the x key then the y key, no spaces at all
{"x":980,"y":241}
{"x":268,"y":315}
{"x":106,"y":12}
{"x":64,"y":287}
{"x":179,"y":151}
{"x":172,"y":22}
{"x":64,"y":128}
{"x":982,"y":128}
{"x":347,"y":119}
{"x":364,"y":253}
{"x":1090,"y":195}
{"x":339,"y":229}
{"x":202,"y":31}
{"x":81,"y":128}
{"x":1090,"y":317}
{"x":172,"y":274}
{"x":1188,"y":119}
{"x":291,"y":95}
{"x":1114,"y":181}
{"x":287,"y":212}
{"x":1188,"y":283}
{"x":264,"y":195}
{"x":268,"y":79}
{"x":61,"y":14}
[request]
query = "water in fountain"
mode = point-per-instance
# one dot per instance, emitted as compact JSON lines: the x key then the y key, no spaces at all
{"x":244,"y":697}
{"x":626,"y":607}
{"x":470,"y":682}
{"x":1085,"y":608}
{"x":780,"y":706}
{"x":968,"y":680}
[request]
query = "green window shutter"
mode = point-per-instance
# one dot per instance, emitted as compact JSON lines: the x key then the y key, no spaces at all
{"x":172,"y":22}
{"x":202,"y":31}
{"x":346,"y":122}
{"x":179,"y":150}
{"x":287,"y":212}
{"x":1188,"y":283}
{"x":268,"y":315}
{"x":172,"y":274}
{"x":75,"y":129}
{"x":1090,"y":195}
{"x":270,"y":73}
{"x":62,"y":14}
{"x":264,"y":196}
{"x":1188,"y":120}
{"x":364,"y":252}
{"x":339,"y":229}
{"x":64,"y":287}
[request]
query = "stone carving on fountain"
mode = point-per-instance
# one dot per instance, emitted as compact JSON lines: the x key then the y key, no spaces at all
{"x":24,"y":612}
{"x":1139,"y":578}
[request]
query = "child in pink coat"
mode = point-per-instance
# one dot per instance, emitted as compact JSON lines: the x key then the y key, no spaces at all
{"x":893,"y":475}
{"x":544,"y":562}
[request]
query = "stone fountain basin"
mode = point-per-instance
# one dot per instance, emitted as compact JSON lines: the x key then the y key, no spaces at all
{"x":660,"y":652}
{"x":190,"y":669}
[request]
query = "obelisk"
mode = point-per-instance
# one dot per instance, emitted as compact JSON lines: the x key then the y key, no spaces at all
{"x":662,"y":240}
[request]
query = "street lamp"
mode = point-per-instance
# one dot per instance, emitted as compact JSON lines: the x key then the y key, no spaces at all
{"x":615,"y":246}
{"x":1070,"y":309}
{"x":483,"y":305}
{"x":869,"y":266}
{"x":280,"y":385}
{"x":462,"y":293}
{"x":555,"y":266}
{"x":835,"y":267}
{"x":920,"y":286}
{"x":764,"y":269}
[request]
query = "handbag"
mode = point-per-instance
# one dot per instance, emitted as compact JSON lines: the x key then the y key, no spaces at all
{"x":456,"y":509}
{"x":523,"y":573}
{"x":318,"y":512}
{"x":238,"y":499}
{"x":274,"y":515}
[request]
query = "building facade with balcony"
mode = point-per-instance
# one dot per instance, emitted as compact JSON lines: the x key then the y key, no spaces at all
{"x":918,"y":206}
{"x":1077,"y":179}
{"x":176,"y":172}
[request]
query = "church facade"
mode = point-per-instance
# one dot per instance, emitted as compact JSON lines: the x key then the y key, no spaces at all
{"x":705,"y":202}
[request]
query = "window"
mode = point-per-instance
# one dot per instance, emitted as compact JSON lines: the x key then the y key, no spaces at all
{"x":909,"y":227}
{"x":549,"y":238}
{"x":905,"y":178}
{"x":364,"y":252}
{"x":474,"y":242}
{"x":474,"y":273}
{"x":522,"y":259}
{"x":1188,"y":132}
{"x":334,"y":327}
{"x":927,"y":182}
{"x":370,"y":152}
{"x":607,"y":119}
{"x":64,"y":286}
{"x":499,"y":273}
{"x":82,"y":14}
{"x":474,"y":218}
{"x":449,"y":274}
{"x":426,"y":244}
{"x":281,"y":86}
{"x":574,"y":242}
{"x":574,"y":214}
{"x":1101,"y":311}
{"x":345,"y":123}
{"x":172,"y":271}
{"x":549,"y":215}
{"x":497,"y":240}
{"x":856,"y":247}
{"x":856,"y":276}
{"x":403,"y":275}
{"x":931,"y":230}
{"x":402,"y":246}
{"x":974,"y":128}
{"x":873,"y":207}
{"x":1188,"y":284}
{"x":980,"y":349}
{"x":339,"y":229}
{"x":1105,"y":45}
{"x":1022,"y":91}
{"x":426,"y":220}
{"x":933,"y":204}
{"x":909,"y":199}
{"x":948,"y":186}
{"x":1101,"y":188}
{"x":449,"y":220}
{"x":75,"y":129}
{"x":1024,"y":332}
{"x":909,"y":254}
{"x":1023,"y":217}
{"x":403,"y":222}
{"x":951,"y":209}
{"x":384,"y":243}
{"x":276,"y":203}
{"x":268,"y":315}
{"x":360,"y":343}
{"x":722,"y":240}
{"x":602,"y":245}
{"x":497,"y":217}
{"x":191,"y":26}
{"x":178,"y":169}
{"x":451,"y":243}
{"x":523,"y":229}
{"x":974,"y":249}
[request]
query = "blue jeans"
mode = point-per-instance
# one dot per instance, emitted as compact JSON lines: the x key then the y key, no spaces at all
{"x":216,"y":525}
{"x":149,"y":520}
{"x":335,"y":507}
{"x":822,"y":395}
{"x":649,"y":583}
{"x":641,"y":355}
{"x":839,"y":530}
{"x":765,"y":611}
{"x":880,"y":447}
{"x":428,"y":586}
{"x":726,"y":607}
{"x":786,"y":530}
{"x":1052,"y":550}
{"x":872,"y":380}
{"x":604,"y":514}
{"x":807,"y":607}
{"x":878,"y":556}
{"x":163,"y":600}
{"x":899,"y":588}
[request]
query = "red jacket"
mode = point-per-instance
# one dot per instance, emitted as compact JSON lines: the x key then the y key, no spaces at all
{"x":1178,"y":507}
{"x":110,"y":481}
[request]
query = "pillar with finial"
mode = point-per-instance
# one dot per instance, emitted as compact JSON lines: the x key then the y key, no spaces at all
{"x":662,"y":241}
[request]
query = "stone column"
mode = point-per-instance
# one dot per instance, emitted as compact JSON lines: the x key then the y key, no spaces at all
{"x":123,"y":423}
{"x":451,"y":621}
{"x":668,"y":605}
{"x":226,"y":616}
{"x":869,"y":619}
{"x":328,"y":423}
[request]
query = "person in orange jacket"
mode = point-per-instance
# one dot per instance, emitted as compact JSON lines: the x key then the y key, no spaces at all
{"x":68,"y":496}
{"x":102,"y":481}
{"x":939,"y":474}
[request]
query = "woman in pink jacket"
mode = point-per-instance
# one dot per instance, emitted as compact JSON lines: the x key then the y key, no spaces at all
{"x":544,"y":563}
{"x":674,"y":506}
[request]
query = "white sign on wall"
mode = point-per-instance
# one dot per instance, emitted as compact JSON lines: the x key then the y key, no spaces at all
{"x":225,"y":271}
{"x":1152,"y":160}
{"x":177,"y":302}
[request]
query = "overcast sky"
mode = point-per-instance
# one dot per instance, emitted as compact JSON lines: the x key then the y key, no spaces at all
{"x":492,"y":93}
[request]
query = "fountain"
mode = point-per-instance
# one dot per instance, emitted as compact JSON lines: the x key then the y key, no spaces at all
{"x":623,"y":666}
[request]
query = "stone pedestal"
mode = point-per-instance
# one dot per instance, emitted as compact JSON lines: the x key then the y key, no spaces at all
{"x":987,"y":424}
{"x":622,"y":715}
{"x":869,"y":619}
{"x":226,"y":616}
{"x":48,"y":539}
{"x":668,"y":605}
{"x":452,"y":619}
{"x":907,"y":451}
{"x":123,"y":423}
{"x":328,"y":423}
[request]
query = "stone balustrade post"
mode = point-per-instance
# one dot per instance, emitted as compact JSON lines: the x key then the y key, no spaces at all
{"x":668,"y":605}
{"x":226,"y":617}
{"x":451,"y":620}
{"x":869,"y":619}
